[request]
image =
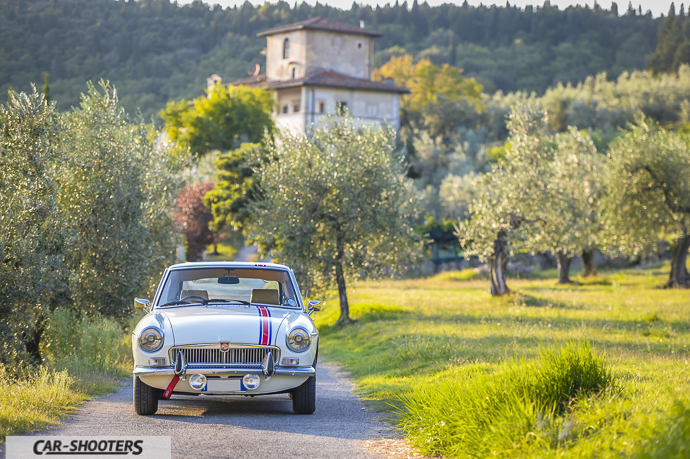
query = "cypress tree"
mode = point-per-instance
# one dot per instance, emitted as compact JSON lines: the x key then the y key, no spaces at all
{"x":46,"y":87}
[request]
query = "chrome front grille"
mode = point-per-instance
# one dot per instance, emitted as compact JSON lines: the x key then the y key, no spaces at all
{"x":235,"y":356}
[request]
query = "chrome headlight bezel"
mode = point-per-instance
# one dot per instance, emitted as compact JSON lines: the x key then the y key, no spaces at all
{"x":291,"y":342}
{"x":158,"y":340}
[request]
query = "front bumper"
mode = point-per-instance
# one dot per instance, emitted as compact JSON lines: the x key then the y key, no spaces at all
{"x":193,"y":369}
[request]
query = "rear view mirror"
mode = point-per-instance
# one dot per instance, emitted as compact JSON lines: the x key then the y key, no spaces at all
{"x":229,"y":280}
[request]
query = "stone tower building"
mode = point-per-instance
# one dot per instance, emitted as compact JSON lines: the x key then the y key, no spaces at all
{"x":320,"y":66}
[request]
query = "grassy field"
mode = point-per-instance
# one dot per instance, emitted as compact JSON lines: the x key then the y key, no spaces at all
{"x":427,"y":343}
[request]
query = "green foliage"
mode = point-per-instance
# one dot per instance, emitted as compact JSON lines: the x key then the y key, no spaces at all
{"x":31,"y":234}
{"x":116,"y":186}
{"x":85,"y":223}
{"x":435,"y":231}
{"x":83,"y":356}
{"x":156,"y":51}
{"x":648,"y":195}
{"x":235,"y":186}
{"x":337,"y":200}
{"x":515,"y":409}
{"x":91,"y":344}
{"x":457,"y":193}
{"x":428,"y":83}
{"x":543,"y":195}
{"x":673,"y":45}
{"x":46,"y":87}
{"x":227,"y":117}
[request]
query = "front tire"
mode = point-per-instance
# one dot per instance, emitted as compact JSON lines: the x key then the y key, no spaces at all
{"x":304,"y":397}
{"x":145,"y":398}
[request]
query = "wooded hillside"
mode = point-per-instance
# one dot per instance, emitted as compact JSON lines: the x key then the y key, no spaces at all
{"x":154,"y":51}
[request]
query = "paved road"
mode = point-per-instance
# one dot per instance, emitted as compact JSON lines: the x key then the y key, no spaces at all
{"x":237,"y":427}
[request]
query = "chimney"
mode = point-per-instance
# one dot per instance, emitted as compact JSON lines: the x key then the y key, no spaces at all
{"x":361,"y":23}
{"x":211,"y":82}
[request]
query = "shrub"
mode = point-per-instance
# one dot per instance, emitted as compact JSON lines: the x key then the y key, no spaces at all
{"x":481,"y":414}
{"x":85,"y":344}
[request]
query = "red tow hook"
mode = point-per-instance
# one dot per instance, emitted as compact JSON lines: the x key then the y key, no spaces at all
{"x":180,"y":370}
{"x":168,"y":392}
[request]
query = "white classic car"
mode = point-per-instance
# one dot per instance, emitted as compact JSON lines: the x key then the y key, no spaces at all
{"x":225,"y":328}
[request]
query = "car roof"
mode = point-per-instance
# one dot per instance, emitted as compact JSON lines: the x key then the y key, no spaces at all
{"x":228,"y":264}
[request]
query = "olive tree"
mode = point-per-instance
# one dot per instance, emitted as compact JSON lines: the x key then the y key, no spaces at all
{"x":568,"y":216}
{"x":116,"y":187}
{"x":31,"y":238}
{"x":336,"y":205}
{"x":541,"y":196}
{"x":648,"y":195}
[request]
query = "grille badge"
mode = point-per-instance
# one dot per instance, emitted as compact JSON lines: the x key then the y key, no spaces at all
{"x":224,"y":347}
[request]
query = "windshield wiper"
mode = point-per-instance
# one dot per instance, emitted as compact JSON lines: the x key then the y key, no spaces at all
{"x":176,"y":303}
{"x":221,"y":300}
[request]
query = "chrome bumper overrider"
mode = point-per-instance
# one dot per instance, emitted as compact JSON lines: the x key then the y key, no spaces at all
{"x":191,"y":369}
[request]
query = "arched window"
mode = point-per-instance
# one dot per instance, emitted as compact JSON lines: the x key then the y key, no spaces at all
{"x":286,"y":48}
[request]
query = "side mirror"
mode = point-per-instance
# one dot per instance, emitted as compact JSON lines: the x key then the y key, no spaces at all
{"x":311,"y":306}
{"x":140,"y":303}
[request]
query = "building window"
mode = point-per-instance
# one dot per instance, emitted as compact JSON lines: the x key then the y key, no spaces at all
{"x":285,"y":108}
{"x":293,"y":73}
{"x":322,"y":106}
{"x":359,"y":45}
{"x":286,"y":49}
{"x":341,"y":107}
{"x":296,"y":106}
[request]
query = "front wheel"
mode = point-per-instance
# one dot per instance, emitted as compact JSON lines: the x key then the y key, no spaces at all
{"x":145,"y":398}
{"x":304,"y":397}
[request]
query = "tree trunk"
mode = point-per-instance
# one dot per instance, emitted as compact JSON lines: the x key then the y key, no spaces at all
{"x":215,"y":243}
{"x":563,"y":262}
{"x":588,"y":260}
{"x":498,"y":263}
{"x":194,"y":251}
{"x":344,"y":318}
{"x":679,"y":276}
{"x":33,"y":341}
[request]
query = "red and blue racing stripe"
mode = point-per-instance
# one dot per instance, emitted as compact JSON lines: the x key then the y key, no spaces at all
{"x":265,"y":326}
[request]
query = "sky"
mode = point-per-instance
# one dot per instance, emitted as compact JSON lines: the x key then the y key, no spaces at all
{"x":657,"y":7}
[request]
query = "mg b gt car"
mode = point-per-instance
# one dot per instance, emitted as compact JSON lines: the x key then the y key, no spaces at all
{"x":225,"y":328}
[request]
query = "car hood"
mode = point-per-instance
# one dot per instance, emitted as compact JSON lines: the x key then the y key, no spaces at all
{"x":235,"y":325}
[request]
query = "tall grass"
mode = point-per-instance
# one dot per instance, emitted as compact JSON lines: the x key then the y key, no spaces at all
{"x":39,"y":398}
{"x":83,"y":356}
{"x":518,"y":408}
{"x":95,"y":350}
{"x":672,"y":437}
{"x":89,"y":343}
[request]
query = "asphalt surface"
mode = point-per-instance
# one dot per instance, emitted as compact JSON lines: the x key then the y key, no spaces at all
{"x":239,"y":427}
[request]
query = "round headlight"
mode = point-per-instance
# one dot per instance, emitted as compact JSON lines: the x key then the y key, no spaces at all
{"x":251,"y":382}
{"x":197,"y":382}
{"x":151,"y":339}
{"x":298,"y":340}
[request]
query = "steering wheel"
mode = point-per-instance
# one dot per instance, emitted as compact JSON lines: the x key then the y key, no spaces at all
{"x":193,"y":296}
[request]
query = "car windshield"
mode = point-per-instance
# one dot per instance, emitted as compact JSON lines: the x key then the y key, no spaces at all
{"x":227,"y":285}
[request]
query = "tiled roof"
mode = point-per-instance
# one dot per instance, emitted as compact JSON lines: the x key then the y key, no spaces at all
{"x":319,"y":23}
{"x":250,"y":81}
{"x":327,"y":78}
